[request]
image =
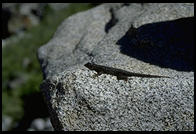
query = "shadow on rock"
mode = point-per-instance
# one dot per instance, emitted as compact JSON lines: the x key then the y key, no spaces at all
{"x":166,"y":44}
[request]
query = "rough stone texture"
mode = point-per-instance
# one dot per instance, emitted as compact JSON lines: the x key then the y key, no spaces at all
{"x":162,"y":45}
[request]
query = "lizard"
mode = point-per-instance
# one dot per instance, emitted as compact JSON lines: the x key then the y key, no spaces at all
{"x":119,"y":73}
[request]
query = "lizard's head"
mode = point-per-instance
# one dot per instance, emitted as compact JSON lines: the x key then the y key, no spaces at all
{"x":89,"y":66}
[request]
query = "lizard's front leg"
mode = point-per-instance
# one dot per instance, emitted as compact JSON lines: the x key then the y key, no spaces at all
{"x":97,"y":74}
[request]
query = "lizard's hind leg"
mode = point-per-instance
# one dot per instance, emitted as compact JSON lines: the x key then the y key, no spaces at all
{"x":97,"y":74}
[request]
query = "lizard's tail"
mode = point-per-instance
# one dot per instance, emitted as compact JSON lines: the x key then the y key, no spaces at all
{"x":150,"y":76}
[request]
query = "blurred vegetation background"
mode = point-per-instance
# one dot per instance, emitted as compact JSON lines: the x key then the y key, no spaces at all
{"x":22,"y":100}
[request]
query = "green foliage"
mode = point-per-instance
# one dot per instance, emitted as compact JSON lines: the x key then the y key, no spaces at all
{"x":19,"y":60}
{"x":12,"y":106}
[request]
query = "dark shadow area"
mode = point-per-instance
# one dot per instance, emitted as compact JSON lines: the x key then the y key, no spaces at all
{"x":5,"y":17}
{"x":112,"y":21}
{"x":168,"y":44}
{"x":34,"y":107}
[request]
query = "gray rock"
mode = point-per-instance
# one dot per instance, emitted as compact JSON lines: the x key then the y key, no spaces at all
{"x":48,"y":125}
{"x":89,"y":30}
{"x":40,"y":124}
{"x":6,"y":123}
{"x":79,"y":101}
